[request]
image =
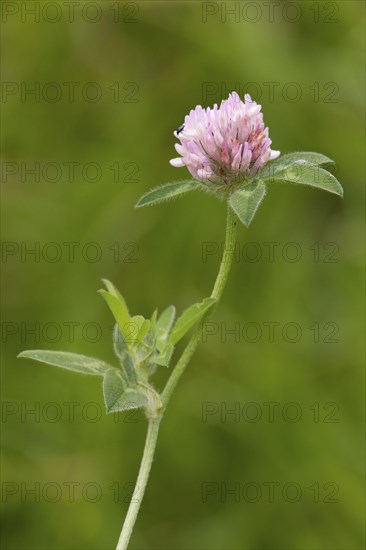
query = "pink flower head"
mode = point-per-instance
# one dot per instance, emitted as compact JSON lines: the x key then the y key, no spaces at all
{"x":224,"y":144}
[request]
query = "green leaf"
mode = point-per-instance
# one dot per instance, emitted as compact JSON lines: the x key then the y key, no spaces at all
{"x":136,"y":329}
{"x":119,"y":342}
{"x":269,"y":173}
{"x":118,"y":396}
{"x":153,"y":318}
{"x":163,"y":359}
{"x":189,"y":318}
{"x":119,"y":312}
{"x":303,"y":173}
{"x":69,"y":361}
{"x":142,"y":351}
{"x":146,"y":336}
{"x":163,"y":326}
{"x":285,"y":160}
{"x":125,"y":358}
{"x":128,"y":368}
{"x":113,"y":290}
{"x":167,"y":192}
{"x":144,"y":329}
{"x":245,"y":201}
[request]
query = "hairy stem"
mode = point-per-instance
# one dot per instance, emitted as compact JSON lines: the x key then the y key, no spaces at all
{"x":153,"y":428}
{"x":216,"y":293}
{"x":138,"y":494}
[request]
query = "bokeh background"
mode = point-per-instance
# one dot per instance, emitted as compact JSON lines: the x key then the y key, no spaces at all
{"x":137,"y":69}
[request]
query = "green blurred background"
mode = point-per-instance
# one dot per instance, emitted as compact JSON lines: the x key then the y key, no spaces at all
{"x":165,"y":59}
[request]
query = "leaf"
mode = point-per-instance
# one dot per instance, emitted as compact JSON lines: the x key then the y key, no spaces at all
{"x":153,"y":318}
{"x":118,"y":396}
{"x":312,"y":158}
{"x":166,"y":192}
{"x":245,"y":201}
{"x":119,"y":343}
{"x":113,"y":290}
{"x":144,"y":348}
{"x":69,"y":361}
{"x":142,"y":351}
{"x":128,"y":368}
{"x":125,"y":358}
{"x":119,"y":312}
{"x":188,"y":318}
{"x":163,"y":326}
{"x":144,"y":329}
{"x":136,"y":329}
{"x":151,"y":335}
{"x":138,"y":321}
{"x":163,"y":359}
{"x":270,"y":171}
{"x":304,"y":173}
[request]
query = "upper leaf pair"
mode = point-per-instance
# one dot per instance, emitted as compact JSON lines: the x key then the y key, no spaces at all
{"x":303,"y":168}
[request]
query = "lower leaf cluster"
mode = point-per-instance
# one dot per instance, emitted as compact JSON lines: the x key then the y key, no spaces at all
{"x":140,"y":345}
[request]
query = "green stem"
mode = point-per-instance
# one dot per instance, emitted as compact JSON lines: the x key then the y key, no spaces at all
{"x":216,"y":293}
{"x":153,"y":429}
{"x":142,"y":479}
